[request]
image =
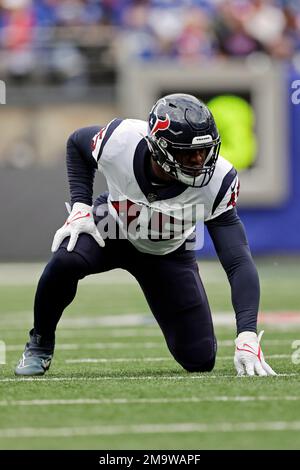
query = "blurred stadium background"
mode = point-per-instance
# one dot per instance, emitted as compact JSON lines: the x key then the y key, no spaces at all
{"x":73,"y":63}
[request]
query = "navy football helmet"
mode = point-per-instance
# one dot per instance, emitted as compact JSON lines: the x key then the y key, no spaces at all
{"x":178,"y":124}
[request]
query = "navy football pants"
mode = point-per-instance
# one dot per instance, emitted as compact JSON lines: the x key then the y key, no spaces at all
{"x":171,"y":285}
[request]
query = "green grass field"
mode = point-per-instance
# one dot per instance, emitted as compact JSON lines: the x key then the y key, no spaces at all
{"x":114,"y":385}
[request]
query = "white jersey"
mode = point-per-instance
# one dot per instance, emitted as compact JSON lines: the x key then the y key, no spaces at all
{"x":156,"y":219}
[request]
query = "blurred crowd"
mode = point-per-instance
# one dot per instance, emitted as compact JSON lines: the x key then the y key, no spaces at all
{"x":80,"y":40}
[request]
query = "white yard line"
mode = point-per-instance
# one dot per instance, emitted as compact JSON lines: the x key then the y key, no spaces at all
{"x":134,"y":344}
{"x":131,"y":333}
{"x":267,"y":356}
{"x":100,"y":333}
{"x":117,"y":359}
{"x":29,"y":274}
{"x":141,"y":401}
{"x":139,"y":377}
{"x":22,"y":320}
{"x":267,"y":342}
{"x":87,"y":346}
{"x":114,"y":333}
{"x":103,"y":360}
{"x":108,"y":430}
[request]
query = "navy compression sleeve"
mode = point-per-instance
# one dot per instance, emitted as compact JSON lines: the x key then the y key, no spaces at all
{"x":230,"y":241}
{"x":81,"y":165}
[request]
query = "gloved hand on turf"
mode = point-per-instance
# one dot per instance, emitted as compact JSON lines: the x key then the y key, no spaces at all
{"x":249,"y":358}
{"x":80,"y":220}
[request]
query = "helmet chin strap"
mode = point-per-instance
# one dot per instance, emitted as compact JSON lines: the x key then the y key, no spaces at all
{"x":159,"y":173}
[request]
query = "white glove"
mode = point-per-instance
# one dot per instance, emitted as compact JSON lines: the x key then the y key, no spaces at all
{"x":80,"y":220}
{"x":249,"y":358}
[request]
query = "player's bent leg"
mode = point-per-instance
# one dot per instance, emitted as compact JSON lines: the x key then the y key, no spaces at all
{"x":194,"y":352}
{"x":55,"y":291}
{"x":193,"y":365}
{"x":179,"y":303}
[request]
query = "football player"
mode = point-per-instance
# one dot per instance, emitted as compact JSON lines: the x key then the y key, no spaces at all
{"x":157,"y":173}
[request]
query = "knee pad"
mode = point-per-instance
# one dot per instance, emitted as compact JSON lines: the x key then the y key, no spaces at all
{"x":64,"y":263}
{"x":196,"y":358}
{"x":200,"y":366}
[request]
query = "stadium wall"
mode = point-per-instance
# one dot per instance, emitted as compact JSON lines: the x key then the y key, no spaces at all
{"x":277,"y":230}
{"x":33,"y":184}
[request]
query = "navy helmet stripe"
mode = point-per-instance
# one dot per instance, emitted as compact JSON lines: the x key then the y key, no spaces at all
{"x":227,"y":180}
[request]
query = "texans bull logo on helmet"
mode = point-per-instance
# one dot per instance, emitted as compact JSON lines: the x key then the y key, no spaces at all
{"x":160,"y":124}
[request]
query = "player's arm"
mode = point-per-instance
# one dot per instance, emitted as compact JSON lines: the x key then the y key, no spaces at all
{"x":86,"y":149}
{"x":81,"y":168}
{"x":228,"y":235}
{"x":230,"y":241}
